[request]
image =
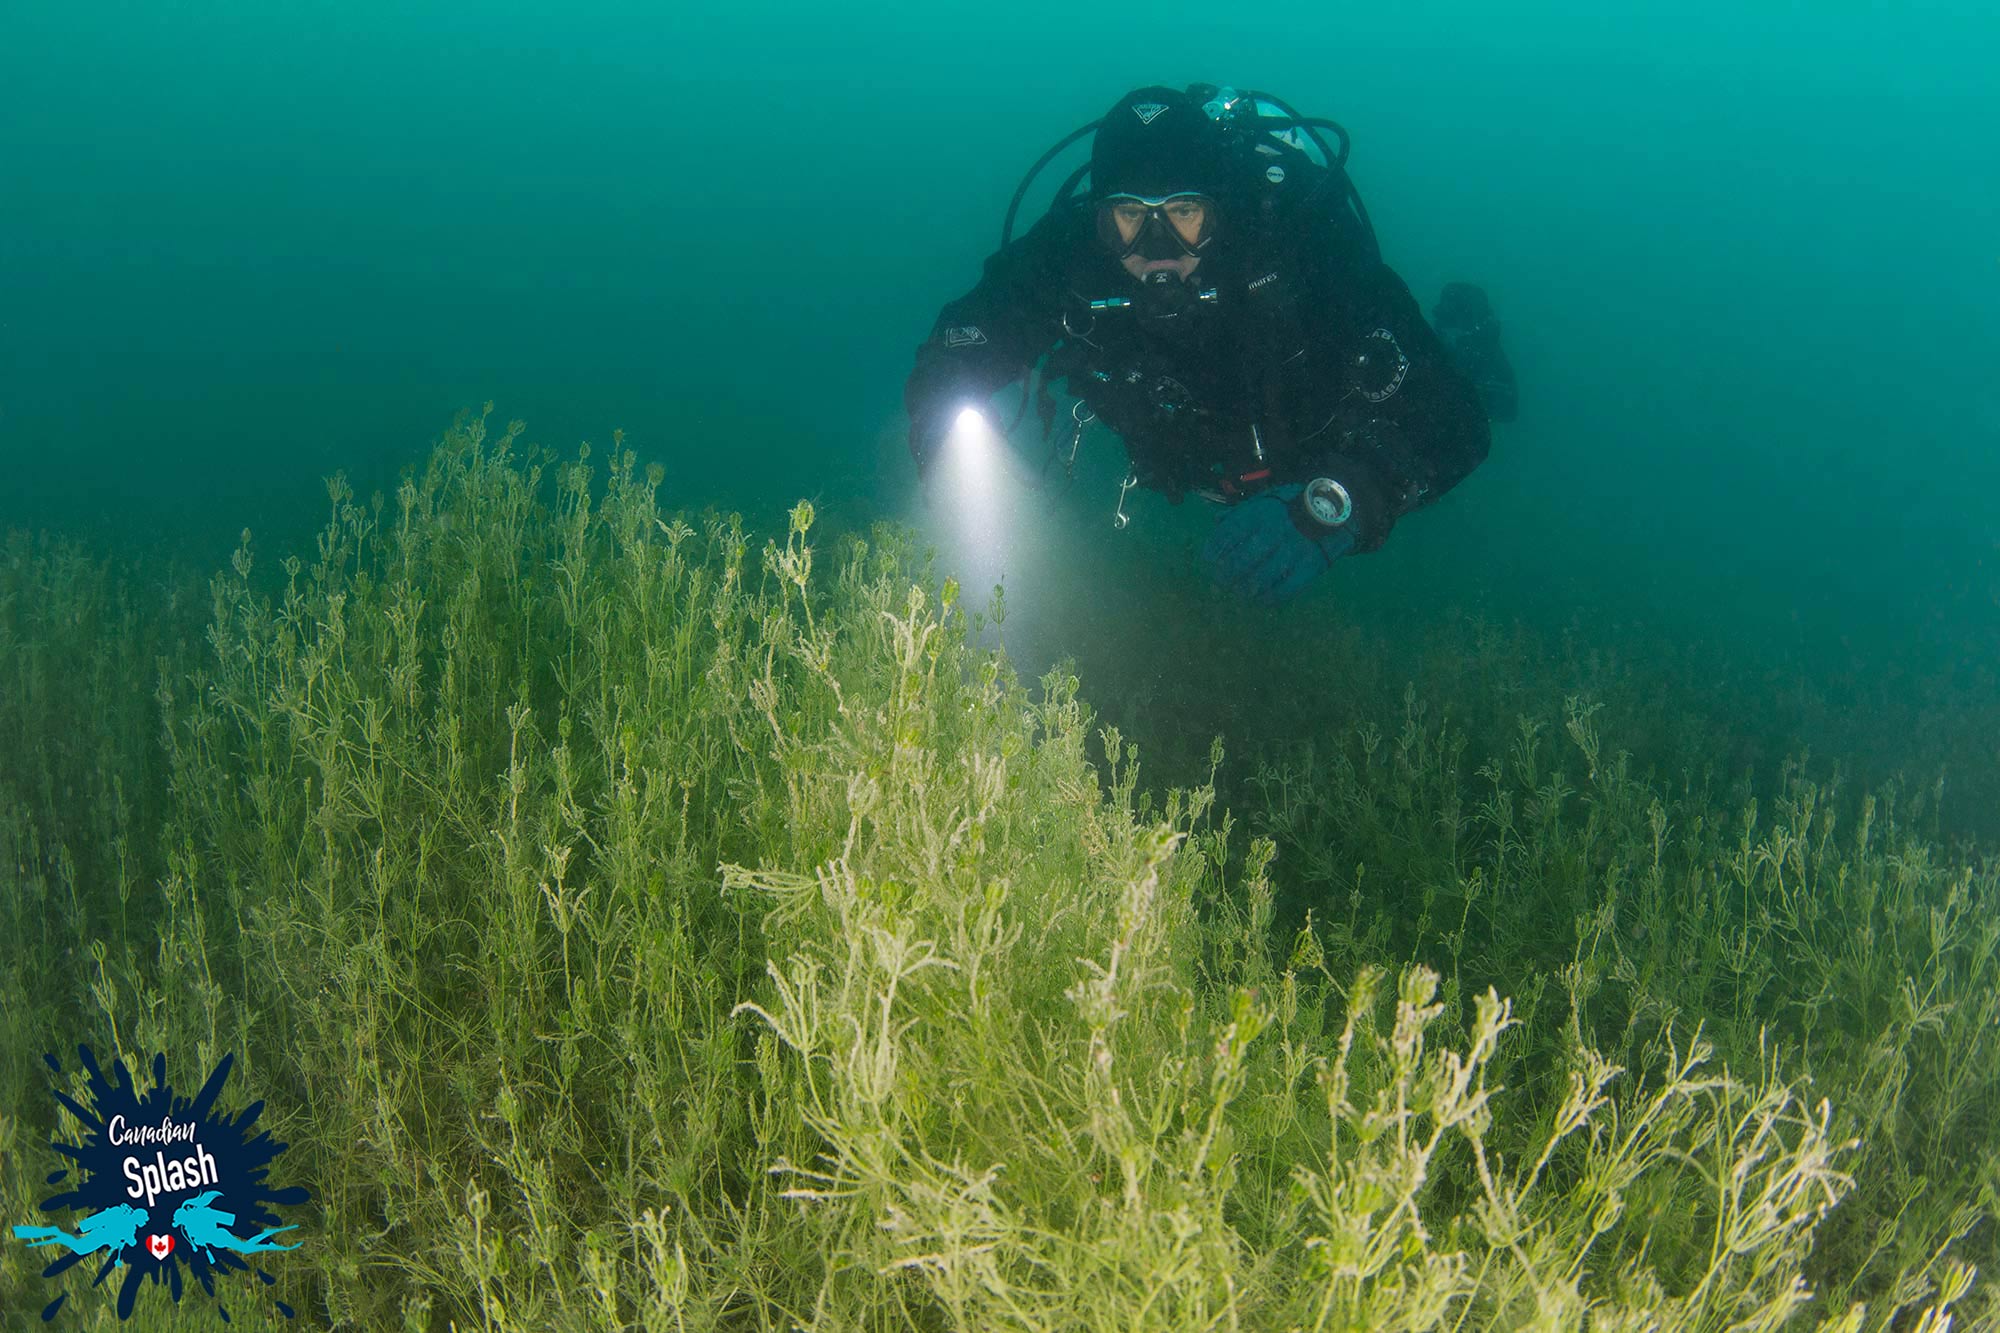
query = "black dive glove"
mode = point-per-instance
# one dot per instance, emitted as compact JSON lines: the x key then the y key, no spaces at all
{"x":934,"y":408}
{"x":1471,"y":335}
{"x":927,"y":434}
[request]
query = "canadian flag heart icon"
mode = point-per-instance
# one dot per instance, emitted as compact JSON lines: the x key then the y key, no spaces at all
{"x":159,"y":1246}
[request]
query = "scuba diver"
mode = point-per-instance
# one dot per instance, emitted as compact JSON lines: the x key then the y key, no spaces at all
{"x":1218,"y":299}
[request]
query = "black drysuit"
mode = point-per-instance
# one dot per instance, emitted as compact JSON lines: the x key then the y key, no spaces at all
{"x":1309,"y":338}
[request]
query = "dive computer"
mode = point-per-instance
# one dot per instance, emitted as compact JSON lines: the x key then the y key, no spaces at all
{"x":1326,"y":502}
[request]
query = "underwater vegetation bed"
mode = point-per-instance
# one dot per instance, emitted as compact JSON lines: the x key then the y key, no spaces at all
{"x":633,"y":924}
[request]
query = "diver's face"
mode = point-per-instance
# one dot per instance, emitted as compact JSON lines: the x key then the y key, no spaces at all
{"x":1187,"y":214}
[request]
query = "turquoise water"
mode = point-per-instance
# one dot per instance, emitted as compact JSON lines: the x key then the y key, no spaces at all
{"x":1747,"y":258}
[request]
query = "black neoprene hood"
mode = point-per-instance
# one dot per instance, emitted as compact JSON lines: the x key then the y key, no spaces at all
{"x":1156,"y":141}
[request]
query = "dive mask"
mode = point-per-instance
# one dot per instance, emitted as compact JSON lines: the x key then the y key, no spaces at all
{"x":1171,"y":226}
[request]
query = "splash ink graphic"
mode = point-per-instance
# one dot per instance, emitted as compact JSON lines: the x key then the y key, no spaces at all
{"x":168,"y":1188}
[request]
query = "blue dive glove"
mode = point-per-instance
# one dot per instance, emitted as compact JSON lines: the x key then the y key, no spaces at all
{"x":1270,"y":547}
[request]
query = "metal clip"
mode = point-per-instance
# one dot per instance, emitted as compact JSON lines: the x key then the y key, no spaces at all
{"x":1082,"y":416}
{"x":1120,"y":518}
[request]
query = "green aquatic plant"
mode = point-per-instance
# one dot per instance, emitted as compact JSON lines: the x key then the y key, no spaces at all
{"x":1619,"y":908}
{"x":630,"y":924}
